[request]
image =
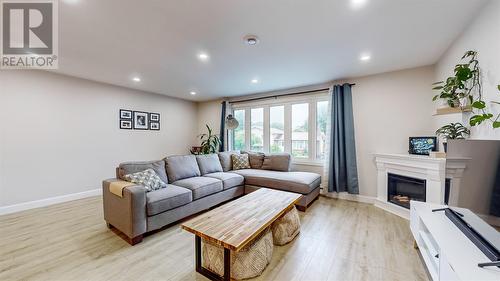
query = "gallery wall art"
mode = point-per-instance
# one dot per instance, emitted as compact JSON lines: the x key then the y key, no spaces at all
{"x":139,"y":120}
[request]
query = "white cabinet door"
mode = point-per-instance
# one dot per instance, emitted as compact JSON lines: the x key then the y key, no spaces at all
{"x":446,"y":272}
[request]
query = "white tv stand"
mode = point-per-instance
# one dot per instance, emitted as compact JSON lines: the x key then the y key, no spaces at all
{"x":448,"y":254}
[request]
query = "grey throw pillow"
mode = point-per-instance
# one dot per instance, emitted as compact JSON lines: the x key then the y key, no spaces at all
{"x":149,"y":179}
{"x":256,"y":159}
{"x":208,"y":163}
{"x":277,"y":162}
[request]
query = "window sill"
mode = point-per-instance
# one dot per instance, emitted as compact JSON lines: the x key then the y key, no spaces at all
{"x":307,"y":163}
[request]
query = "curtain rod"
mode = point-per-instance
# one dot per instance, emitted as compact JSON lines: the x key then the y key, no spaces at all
{"x":284,"y":95}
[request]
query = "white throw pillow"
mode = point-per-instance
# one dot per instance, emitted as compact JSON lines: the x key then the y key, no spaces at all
{"x":148,"y":178}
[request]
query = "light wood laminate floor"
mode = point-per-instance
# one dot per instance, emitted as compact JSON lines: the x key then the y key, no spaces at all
{"x":340,"y":240}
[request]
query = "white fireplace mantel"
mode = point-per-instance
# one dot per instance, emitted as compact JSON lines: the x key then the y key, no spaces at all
{"x":433,"y":170}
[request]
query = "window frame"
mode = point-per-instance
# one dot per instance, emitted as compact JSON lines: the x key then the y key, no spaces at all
{"x":287,"y":102}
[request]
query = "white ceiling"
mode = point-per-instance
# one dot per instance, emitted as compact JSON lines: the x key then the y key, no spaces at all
{"x":302,"y":42}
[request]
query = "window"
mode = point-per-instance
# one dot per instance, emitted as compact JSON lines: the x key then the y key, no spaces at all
{"x":300,"y":130}
{"x":293,"y":124}
{"x":321,"y":119}
{"x":239,"y":132}
{"x":257,"y":129}
{"x":277,"y":129}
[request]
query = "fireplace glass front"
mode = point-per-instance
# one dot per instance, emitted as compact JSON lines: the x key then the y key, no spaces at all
{"x":402,"y":189}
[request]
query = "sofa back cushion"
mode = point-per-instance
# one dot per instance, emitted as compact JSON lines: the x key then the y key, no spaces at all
{"x":208,"y":163}
{"x":256,"y":159}
{"x":182,"y":167}
{"x":277,"y":162}
{"x":226,"y":161}
{"x":133,"y":167}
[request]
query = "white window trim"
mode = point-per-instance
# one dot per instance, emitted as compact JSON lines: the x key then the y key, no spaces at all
{"x":287,"y":102}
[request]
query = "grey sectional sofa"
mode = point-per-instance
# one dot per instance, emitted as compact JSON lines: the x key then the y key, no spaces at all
{"x":197,"y":183}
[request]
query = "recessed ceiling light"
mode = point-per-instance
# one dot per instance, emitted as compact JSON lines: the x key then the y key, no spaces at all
{"x":136,"y":79}
{"x":193,"y":93}
{"x":365,"y":57}
{"x":251,"y":40}
{"x":203,"y":56}
{"x":357,"y":4}
{"x":255,"y":81}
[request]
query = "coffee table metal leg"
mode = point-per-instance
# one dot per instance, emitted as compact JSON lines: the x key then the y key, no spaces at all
{"x":206,"y":272}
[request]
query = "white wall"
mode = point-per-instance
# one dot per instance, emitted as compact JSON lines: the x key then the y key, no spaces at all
{"x":60,"y":135}
{"x":482,"y":35}
{"x":388,"y":108}
{"x":209,"y":113}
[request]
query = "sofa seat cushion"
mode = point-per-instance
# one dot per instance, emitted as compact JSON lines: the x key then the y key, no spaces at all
{"x":298,"y":182}
{"x":167,"y":198}
{"x":229,"y":180}
{"x":201,"y":186}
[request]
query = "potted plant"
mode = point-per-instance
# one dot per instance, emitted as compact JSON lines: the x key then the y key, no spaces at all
{"x":452,"y":131}
{"x":457,"y":90}
{"x":210,"y":143}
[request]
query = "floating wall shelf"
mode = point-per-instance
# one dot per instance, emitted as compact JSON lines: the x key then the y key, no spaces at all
{"x":452,"y":110}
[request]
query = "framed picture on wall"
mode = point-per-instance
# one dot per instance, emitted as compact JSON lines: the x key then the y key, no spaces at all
{"x":125,"y":114}
{"x":154,"y":117}
{"x":126,"y":124}
{"x":141,"y":121}
{"x":155,"y":126}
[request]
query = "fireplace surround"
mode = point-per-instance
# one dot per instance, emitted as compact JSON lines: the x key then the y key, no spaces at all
{"x":433,"y":171}
{"x":413,"y":169}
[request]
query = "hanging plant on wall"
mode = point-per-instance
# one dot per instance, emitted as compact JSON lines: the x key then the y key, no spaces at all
{"x":465,"y":87}
{"x":458,"y":89}
{"x":483,"y":113}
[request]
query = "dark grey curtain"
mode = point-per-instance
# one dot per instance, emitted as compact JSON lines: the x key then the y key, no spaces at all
{"x":342,"y":170}
{"x":222,"y":135}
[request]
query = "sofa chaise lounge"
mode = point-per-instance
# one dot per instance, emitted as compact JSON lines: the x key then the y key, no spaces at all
{"x":197,"y":183}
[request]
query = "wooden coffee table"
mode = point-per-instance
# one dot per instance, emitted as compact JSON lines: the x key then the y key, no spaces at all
{"x":235,"y":224}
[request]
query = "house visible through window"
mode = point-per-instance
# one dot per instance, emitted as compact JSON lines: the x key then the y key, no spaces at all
{"x":257,"y":129}
{"x":277,"y":129}
{"x":300,"y":130}
{"x":296,"y":125}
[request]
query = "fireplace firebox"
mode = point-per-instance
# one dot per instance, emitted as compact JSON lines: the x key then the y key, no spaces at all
{"x":402,"y":189}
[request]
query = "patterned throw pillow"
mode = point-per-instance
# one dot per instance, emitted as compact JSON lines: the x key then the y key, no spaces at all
{"x":148,"y":178}
{"x":240,"y":161}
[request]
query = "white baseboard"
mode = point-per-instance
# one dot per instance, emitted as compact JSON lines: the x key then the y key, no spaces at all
{"x":350,"y":197}
{"x":48,"y":201}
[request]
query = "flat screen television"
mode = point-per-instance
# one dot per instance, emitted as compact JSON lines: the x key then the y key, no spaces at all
{"x":476,"y":199}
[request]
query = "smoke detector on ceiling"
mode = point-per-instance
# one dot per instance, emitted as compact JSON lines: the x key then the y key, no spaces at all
{"x":251,"y":40}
